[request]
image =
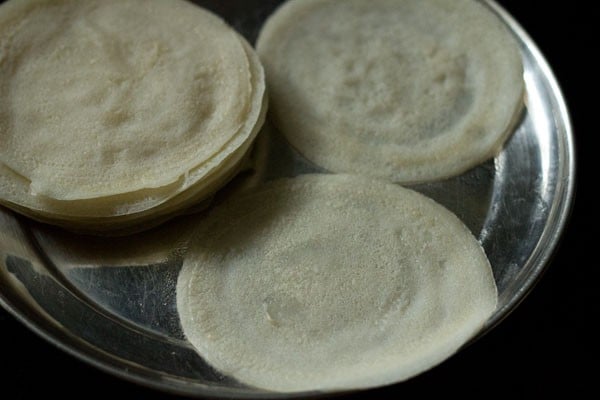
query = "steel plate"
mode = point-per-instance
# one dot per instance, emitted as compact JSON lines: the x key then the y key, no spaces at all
{"x":111,"y":301}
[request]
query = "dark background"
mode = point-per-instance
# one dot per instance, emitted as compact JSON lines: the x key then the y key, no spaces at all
{"x":544,"y":347}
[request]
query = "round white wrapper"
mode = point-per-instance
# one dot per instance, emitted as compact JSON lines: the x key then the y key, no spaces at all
{"x":326,"y":282}
{"x":406,"y":90}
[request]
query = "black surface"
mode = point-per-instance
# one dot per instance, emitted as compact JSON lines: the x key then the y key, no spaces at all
{"x":544,"y":347}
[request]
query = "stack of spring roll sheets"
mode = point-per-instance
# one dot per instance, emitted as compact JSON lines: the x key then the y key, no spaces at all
{"x":131,"y":137}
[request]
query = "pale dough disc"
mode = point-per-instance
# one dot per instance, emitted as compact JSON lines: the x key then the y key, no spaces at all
{"x":326,"y":282}
{"x":128,"y":210}
{"x":105,"y":97}
{"x":406,"y":90}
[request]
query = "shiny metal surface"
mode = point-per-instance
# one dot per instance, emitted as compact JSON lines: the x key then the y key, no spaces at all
{"x":110,"y":301}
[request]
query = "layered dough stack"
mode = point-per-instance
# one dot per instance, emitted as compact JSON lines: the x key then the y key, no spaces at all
{"x":115,"y":114}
